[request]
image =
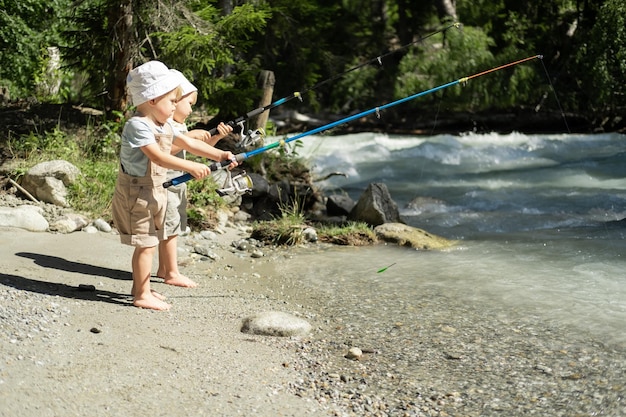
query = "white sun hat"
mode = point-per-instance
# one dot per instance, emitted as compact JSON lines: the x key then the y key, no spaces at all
{"x":186,"y":86}
{"x":149,"y":81}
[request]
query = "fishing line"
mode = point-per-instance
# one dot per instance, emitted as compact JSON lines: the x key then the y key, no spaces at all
{"x":245,"y":155}
{"x":555,"y":96}
{"x":298,"y":94}
{"x":379,"y":59}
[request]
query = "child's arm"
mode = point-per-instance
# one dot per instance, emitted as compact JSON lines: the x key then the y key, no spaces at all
{"x":205,"y":150}
{"x":166,"y":160}
{"x":204,"y":135}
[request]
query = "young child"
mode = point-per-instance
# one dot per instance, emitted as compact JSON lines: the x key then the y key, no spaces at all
{"x":139,"y":200}
{"x":176,"y":212}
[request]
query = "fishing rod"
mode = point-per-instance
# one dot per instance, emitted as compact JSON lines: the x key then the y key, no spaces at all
{"x":239,"y":121}
{"x":245,"y":155}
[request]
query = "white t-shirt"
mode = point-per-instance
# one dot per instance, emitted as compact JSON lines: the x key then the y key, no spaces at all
{"x":182,"y":128}
{"x":137,"y":133}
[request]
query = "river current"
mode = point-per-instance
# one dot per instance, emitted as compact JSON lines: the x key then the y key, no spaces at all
{"x":537,"y":217}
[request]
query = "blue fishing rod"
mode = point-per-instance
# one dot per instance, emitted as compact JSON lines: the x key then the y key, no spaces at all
{"x":298,"y":94}
{"x":245,"y":155}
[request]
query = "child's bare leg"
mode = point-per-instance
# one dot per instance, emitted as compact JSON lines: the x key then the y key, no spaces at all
{"x":156,"y":294}
{"x":168,"y":264}
{"x":142,"y":294}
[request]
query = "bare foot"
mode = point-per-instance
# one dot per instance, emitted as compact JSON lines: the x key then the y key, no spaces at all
{"x":180,"y":281}
{"x":151,"y":302}
{"x":154,"y":293}
{"x":158,"y":295}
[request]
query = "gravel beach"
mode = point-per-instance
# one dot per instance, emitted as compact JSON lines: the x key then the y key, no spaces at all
{"x":72,"y":344}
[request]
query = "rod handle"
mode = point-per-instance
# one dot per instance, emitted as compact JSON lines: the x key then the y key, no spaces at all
{"x":213,"y":167}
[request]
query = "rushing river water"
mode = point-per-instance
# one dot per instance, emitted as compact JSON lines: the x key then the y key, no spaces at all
{"x":537,"y":217}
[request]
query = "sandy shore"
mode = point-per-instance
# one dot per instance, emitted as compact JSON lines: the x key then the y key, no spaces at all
{"x":68,"y":351}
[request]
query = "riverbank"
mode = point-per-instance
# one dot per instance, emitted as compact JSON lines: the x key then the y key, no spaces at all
{"x":70,"y":351}
{"x":73,"y":351}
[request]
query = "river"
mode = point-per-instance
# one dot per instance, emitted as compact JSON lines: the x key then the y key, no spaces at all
{"x":537,"y":218}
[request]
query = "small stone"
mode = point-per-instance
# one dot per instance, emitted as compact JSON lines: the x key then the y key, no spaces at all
{"x":448,"y":329}
{"x":354,"y":354}
{"x":310,"y":234}
{"x":453,"y":355}
{"x":102,"y":225}
{"x":208,"y":235}
{"x":275,"y":323}
{"x":241,"y":245}
{"x":545,"y":369}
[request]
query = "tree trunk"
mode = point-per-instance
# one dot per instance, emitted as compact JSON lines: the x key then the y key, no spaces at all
{"x":226,"y":6}
{"x":446,"y":8}
{"x":121,"y":26}
{"x":227,"y":9}
{"x":266,"y":83}
{"x":403,"y":28}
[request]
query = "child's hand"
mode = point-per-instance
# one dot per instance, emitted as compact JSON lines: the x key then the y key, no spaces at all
{"x":199,"y":170}
{"x":199,"y":134}
{"x":223,"y":129}
{"x":229,"y":156}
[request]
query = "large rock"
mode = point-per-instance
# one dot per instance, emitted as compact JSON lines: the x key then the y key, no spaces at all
{"x":46,"y":181}
{"x":26,"y":217}
{"x":339,"y":205}
{"x":375,"y":207}
{"x":275,"y":323}
{"x":69,"y":223}
{"x":404,"y":235}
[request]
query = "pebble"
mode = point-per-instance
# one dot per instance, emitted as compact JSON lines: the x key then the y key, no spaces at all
{"x":102,"y":225}
{"x":468,"y":366}
{"x":354,"y":353}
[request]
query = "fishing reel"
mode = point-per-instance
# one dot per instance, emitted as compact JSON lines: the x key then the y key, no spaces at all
{"x":251,"y":137}
{"x":235,"y":186}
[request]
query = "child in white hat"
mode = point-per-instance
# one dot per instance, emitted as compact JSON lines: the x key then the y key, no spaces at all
{"x":139,"y":200}
{"x":176,"y":212}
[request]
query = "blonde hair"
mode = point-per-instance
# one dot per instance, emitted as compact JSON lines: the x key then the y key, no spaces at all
{"x":194,"y":94}
{"x":179,"y":92}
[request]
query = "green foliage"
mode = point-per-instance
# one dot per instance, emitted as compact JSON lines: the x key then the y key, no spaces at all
{"x":40,"y":147}
{"x":93,"y":191}
{"x":208,"y":54}
{"x":202,"y":193}
{"x":203,"y":202}
{"x":351,"y":233}
{"x":309,"y":42}
{"x":86,"y":48}
{"x":463,"y":54}
{"x":27,"y":27}
{"x":284,"y":230}
{"x":289,"y":227}
{"x":300,"y":45}
{"x":434,"y":63}
{"x":103,"y":139}
{"x":355,"y":90}
{"x":603,"y":58}
{"x":282,"y":162}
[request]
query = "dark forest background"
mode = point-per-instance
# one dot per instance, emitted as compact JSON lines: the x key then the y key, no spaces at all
{"x":78,"y":52}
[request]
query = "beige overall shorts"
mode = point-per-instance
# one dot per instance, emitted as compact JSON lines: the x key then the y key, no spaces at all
{"x":139,"y":203}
